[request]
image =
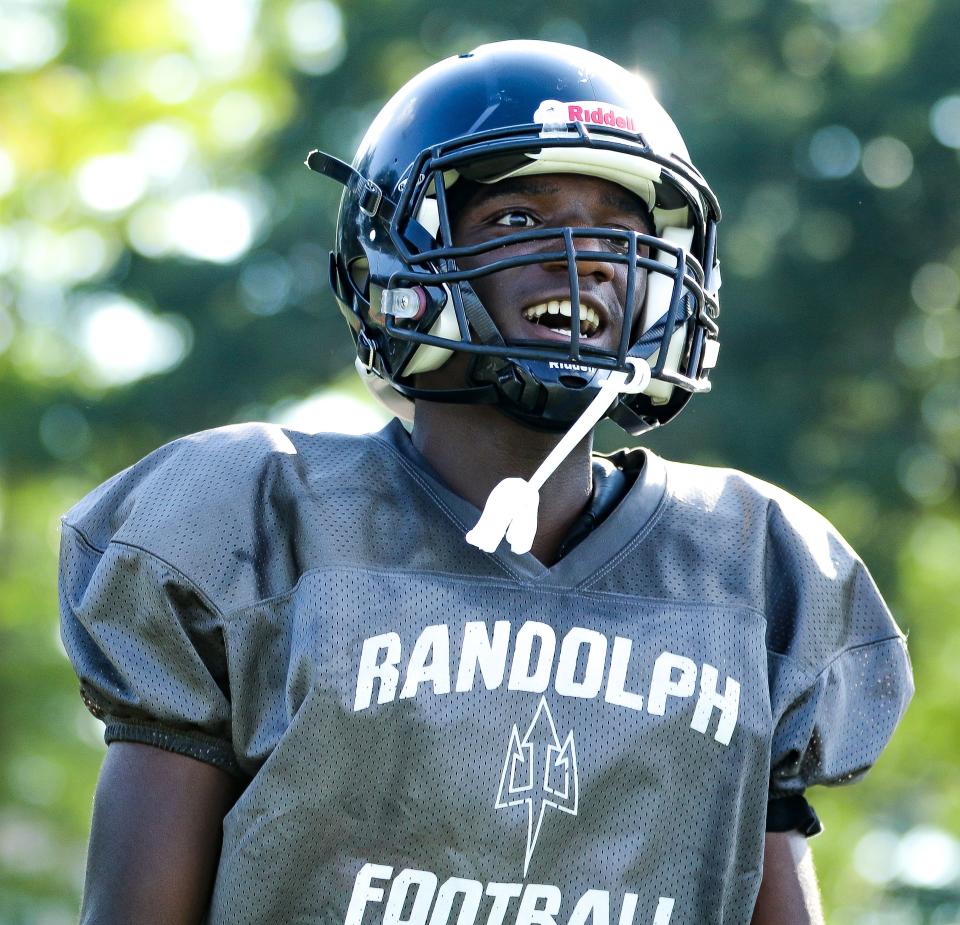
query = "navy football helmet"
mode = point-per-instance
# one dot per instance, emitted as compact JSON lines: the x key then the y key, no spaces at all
{"x":504,"y":110}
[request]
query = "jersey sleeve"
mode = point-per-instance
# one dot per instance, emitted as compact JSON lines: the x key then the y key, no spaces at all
{"x":792,"y":814}
{"x":148,"y":649}
{"x":840,"y":676}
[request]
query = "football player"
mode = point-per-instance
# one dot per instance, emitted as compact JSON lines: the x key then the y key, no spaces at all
{"x":335,"y":691}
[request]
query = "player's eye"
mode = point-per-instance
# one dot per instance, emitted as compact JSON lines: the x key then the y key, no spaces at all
{"x":516,"y":219}
{"x":621,"y":245}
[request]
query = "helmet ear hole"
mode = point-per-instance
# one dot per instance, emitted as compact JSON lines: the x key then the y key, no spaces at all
{"x":358,"y":273}
{"x":574,"y":382}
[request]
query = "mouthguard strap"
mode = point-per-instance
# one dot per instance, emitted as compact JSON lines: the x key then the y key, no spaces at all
{"x":511,"y":508}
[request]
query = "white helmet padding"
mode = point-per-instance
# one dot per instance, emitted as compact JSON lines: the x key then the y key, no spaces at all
{"x":655,"y":306}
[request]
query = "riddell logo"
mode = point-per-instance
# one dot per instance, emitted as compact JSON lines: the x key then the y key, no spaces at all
{"x":599,"y":116}
{"x":553,"y":364}
{"x":589,"y":112}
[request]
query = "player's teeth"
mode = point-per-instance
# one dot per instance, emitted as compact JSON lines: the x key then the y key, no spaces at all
{"x":589,"y":319}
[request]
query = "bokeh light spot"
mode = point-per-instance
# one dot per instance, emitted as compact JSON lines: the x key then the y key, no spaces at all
{"x":935,"y":288}
{"x":941,"y":409}
{"x":265,"y":284}
{"x":926,"y":474}
{"x":315,"y":39}
{"x":214,"y":226}
{"x":123,"y":341}
{"x":65,"y":259}
{"x":111,"y":183}
{"x":236,"y":119}
{"x":172,"y":79}
{"x":329,"y":411}
{"x":825,"y":235}
{"x":875,"y":856}
{"x":29,"y":37}
{"x":834,"y":152}
{"x":807,"y":50}
{"x":6,"y":330}
{"x":942,"y":335}
{"x":8,"y":172}
{"x":219,"y":30}
{"x":945,"y":121}
{"x":887,"y":162}
{"x":164,"y":149}
{"x":64,"y":432}
{"x":928,"y":857}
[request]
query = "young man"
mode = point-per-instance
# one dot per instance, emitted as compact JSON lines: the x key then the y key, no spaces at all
{"x":610,"y":718}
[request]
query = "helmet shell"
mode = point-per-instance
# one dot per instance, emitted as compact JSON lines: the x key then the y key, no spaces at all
{"x":482,"y":93}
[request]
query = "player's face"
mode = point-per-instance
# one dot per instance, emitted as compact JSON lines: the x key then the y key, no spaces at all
{"x":528,"y":302}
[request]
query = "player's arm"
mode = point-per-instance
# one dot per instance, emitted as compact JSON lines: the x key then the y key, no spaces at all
{"x":155,"y":838}
{"x":788,"y":891}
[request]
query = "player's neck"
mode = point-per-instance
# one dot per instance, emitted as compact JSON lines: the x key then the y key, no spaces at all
{"x":473,"y":448}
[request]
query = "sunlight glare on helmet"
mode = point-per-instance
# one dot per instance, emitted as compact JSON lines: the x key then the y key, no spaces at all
{"x":645,"y":81}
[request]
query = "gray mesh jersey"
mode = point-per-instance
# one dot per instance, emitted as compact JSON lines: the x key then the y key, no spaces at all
{"x":431,"y":734}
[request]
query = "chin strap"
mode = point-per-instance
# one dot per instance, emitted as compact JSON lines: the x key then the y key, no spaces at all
{"x":511,"y":509}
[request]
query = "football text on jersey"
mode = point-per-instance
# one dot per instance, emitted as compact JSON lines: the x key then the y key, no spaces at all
{"x":412,"y":894}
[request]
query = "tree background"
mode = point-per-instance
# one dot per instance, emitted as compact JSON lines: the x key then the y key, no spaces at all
{"x":162,"y":268}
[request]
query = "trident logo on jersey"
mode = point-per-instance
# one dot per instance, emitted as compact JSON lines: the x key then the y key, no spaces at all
{"x":540,"y":772}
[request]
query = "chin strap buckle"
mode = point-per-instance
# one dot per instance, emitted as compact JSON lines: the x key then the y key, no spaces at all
{"x":364,"y":343}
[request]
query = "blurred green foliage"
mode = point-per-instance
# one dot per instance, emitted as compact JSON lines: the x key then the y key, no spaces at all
{"x":162,"y":266}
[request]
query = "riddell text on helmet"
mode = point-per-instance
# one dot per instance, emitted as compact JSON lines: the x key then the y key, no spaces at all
{"x":599,"y":116}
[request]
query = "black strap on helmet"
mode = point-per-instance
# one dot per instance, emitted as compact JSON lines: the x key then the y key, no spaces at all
{"x":370,"y":197}
{"x":477,"y":314}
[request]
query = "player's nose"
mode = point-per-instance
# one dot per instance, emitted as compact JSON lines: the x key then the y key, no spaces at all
{"x":589,"y":257}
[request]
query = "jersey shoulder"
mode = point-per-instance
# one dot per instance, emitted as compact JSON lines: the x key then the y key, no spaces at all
{"x":735,"y":531}
{"x":729,"y":497}
{"x":216,"y":500}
